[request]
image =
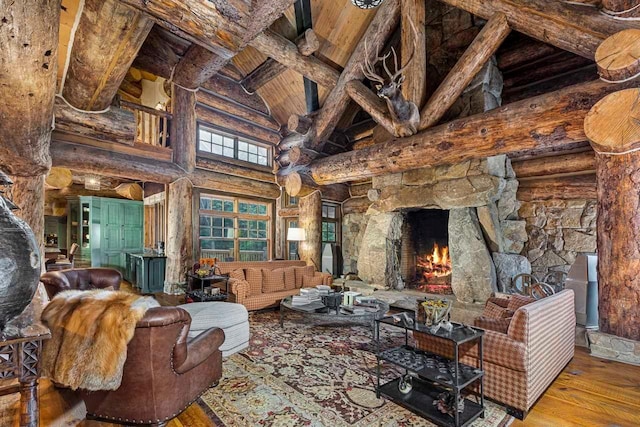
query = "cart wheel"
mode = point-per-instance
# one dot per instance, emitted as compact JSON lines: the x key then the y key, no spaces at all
{"x":405,"y":385}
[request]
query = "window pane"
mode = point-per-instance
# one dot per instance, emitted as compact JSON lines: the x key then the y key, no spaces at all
{"x":228,"y":222}
{"x":262,"y":151}
{"x":253,"y":149}
{"x":205,"y":221}
{"x":216,"y":139}
{"x":205,"y":203}
{"x":228,"y":207}
{"x":228,"y":142}
{"x":332,"y":211}
{"x":204,"y":146}
{"x":253,"y":158}
{"x":262,"y":161}
{"x":217,"y":232}
{"x":242,"y":156}
{"x":205,"y":232}
{"x":242,"y":146}
{"x":203,"y":135}
{"x":227,"y":152}
{"x":324,"y":211}
{"x":216,"y":149}
{"x":217,"y":222}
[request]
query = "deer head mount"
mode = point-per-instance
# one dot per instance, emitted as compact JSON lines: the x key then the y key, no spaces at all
{"x":405,"y":114}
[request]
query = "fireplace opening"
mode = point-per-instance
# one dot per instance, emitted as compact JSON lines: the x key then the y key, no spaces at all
{"x":425,"y":263}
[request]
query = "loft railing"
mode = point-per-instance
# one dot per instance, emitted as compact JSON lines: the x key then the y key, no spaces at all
{"x":153,"y":125}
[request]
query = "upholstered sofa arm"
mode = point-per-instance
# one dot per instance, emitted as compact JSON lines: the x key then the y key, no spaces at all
{"x":497,"y":325}
{"x":239,"y":288}
{"x":201,"y":348}
{"x":327,"y":279}
{"x":504,"y":351}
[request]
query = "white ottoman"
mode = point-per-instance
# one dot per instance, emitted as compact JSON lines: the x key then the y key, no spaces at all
{"x":232,"y":318}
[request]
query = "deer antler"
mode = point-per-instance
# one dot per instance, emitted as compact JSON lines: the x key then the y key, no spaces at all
{"x":368,"y":70}
{"x":413,"y":51}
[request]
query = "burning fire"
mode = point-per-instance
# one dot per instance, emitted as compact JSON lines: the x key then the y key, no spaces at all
{"x":436,"y":264}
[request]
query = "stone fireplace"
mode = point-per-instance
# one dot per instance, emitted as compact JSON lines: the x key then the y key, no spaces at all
{"x":471,"y":208}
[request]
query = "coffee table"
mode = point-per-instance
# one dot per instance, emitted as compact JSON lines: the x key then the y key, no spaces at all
{"x":334,"y":317}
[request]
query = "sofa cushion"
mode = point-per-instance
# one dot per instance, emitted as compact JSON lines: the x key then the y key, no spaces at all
{"x":254,"y":277}
{"x":301,"y":272}
{"x":310,"y":281}
{"x":494,"y":311}
{"x":289,"y":277}
{"x":516,"y":301}
{"x":237,"y":274}
{"x":272,"y":280}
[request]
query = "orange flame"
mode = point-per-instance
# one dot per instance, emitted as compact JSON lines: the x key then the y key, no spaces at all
{"x":436,"y":264}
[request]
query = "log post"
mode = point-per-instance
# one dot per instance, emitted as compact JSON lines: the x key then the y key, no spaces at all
{"x":179,"y":244}
{"x":615,"y":136}
{"x":414,"y":87}
{"x":621,"y":9}
{"x":310,"y":220}
{"x":618,"y":56}
{"x":299,"y":124}
{"x":106,"y":42}
{"x":184,"y":128}
{"x":29,"y":40}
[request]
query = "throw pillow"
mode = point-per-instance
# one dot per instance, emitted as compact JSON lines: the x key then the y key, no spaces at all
{"x":237,"y":274}
{"x":272,"y":280}
{"x":301,"y":272}
{"x":517,"y":301}
{"x":498,"y":325}
{"x":254,"y":277}
{"x":289,"y":277}
{"x":494,"y":311}
{"x":311,"y":281}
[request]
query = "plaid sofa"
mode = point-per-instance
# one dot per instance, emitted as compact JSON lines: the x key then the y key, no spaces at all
{"x":244,"y":289}
{"x":521,"y":363}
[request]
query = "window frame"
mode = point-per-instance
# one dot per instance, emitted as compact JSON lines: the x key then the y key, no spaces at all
{"x":237,"y":138}
{"x":236,"y":216}
{"x":337,"y":220}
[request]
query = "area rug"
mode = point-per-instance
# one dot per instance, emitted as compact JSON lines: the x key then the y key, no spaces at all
{"x":305,"y":375}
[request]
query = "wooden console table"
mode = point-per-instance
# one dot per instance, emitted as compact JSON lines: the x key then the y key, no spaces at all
{"x":20,"y":359}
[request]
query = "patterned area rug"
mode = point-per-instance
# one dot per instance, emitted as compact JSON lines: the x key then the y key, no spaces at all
{"x":305,"y":375}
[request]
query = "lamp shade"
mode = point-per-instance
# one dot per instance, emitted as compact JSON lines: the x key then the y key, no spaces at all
{"x":296,"y":235}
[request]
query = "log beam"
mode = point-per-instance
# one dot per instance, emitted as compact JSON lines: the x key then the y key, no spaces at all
{"x":542,"y":123}
{"x":356,"y":205}
{"x":29,"y":40}
{"x":558,"y":188}
{"x":575,"y":163}
{"x":235,"y":170}
{"x":618,"y":57}
{"x":198,"y":65}
{"x":286,"y":52}
{"x":379,"y":30}
{"x":236,"y":125}
{"x":621,"y":9}
{"x":570,"y":27}
{"x":371,"y":103}
{"x":184,"y":128}
{"x":614,"y":134}
{"x":413,"y":43}
{"x":307,"y":43}
{"x":239,"y":110}
{"x":232,"y":91}
{"x":359,"y":190}
{"x":470,"y":63}
{"x":299,"y":124}
{"x":107,"y":40}
{"x":116,"y":125}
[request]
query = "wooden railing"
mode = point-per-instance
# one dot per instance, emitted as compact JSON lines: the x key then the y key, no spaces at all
{"x":153,"y":125}
{"x":225,"y":255}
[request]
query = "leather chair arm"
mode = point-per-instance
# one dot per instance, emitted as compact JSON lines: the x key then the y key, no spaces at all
{"x":201,"y":348}
{"x":55,"y":282}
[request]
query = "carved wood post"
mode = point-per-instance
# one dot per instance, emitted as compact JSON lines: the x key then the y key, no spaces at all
{"x":183,"y":135}
{"x":179,"y":243}
{"x":311,"y":221}
{"x":615,"y":136}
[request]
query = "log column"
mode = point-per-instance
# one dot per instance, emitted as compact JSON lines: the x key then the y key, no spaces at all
{"x":28,"y":195}
{"x":615,"y":137}
{"x":184,"y":128}
{"x":179,"y":245}
{"x":311,"y":221}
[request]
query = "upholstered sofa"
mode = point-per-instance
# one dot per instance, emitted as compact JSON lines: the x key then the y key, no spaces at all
{"x":521,"y":363}
{"x":81,"y":278}
{"x":262,"y":284}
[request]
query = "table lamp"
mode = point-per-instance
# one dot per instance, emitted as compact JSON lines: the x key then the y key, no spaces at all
{"x":296,"y":235}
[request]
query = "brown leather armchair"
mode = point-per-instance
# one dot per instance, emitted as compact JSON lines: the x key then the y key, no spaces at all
{"x":164,"y":372}
{"x":81,"y":279}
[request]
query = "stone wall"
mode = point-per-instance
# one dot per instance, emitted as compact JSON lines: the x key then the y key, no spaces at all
{"x":558,"y":230}
{"x":353,"y":227}
{"x":614,"y":348}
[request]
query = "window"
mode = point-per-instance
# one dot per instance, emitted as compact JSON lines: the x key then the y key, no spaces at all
{"x":330,"y":223}
{"x":290,"y":201}
{"x":221,"y":144}
{"x":234,"y":229}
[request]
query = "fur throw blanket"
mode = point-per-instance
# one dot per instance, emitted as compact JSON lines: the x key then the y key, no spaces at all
{"x":90,"y":331}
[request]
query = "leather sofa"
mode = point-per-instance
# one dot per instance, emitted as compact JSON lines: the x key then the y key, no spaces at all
{"x":257,"y":284}
{"x":165,"y":370}
{"x":81,"y":278}
{"x":521,"y":363}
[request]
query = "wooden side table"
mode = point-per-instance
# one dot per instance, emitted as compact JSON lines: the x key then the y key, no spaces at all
{"x":20,"y":359}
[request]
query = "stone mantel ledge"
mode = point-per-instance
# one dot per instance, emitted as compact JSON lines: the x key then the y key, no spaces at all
{"x":612,"y":347}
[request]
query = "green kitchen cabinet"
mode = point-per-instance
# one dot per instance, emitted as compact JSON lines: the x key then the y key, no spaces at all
{"x":106,"y":229}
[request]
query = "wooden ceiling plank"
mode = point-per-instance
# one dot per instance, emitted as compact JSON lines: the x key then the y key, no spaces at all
{"x":571,"y":27}
{"x":544,"y":122}
{"x":107,"y":40}
{"x":470,"y":63}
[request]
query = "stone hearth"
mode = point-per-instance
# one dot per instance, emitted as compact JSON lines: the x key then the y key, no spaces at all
{"x":483,"y":225}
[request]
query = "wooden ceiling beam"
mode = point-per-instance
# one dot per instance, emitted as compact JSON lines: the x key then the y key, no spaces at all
{"x":212,"y":100}
{"x":371,"y":103}
{"x":414,"y":87}
{"x":107,"y":40}
{"x":574,"y":163}
{"x":232,"y":90}
{"x":578,"y":29}
{"x":29,"y":40}
{"x":470,"y":63}
{"x":307,"y":43}
{"x":286,"y":52}
{"x":544,"y":122}
{"x":234,"y":124}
